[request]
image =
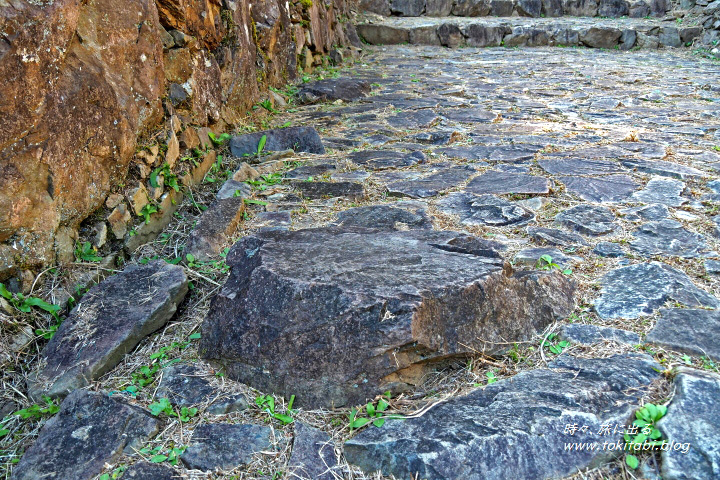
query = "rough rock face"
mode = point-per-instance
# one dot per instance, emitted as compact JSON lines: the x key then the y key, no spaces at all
{"x":337,"y":315}
{"x":90,"y":430}
{"x":209,"y":59}
{"x":110,"y":320}
{"x":515,"y":428}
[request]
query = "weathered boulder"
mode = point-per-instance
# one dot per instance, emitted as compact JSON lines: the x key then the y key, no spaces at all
{"x":515,"y":428}
{"x":691,"y":426}
{"x":110,"y":320}
{"x":90,"y":430}
{"x":336,"y":315}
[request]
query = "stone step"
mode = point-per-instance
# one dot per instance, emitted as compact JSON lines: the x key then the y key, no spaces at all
{"x":523,"y":8}
{"x":622,"y":33}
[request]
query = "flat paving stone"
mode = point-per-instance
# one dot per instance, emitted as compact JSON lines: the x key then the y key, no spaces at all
{"x":692,"y":423}
{"x":513,"y":428}
{"x":609,"y":249}
{"x":432,"y":184}
{"x":712,"y":266}
{"x":667,"y":237}
{"x":398,"y":216}
{"x":318,"y":190}
{"x":381,"y":159}
{"x":225,"y":446}
{"x":664,"y":169}
{"x":500,"y":182}
{"x":688,"y":330}
{"x":579,"y":166}
{"x":588,"y":334}
{"x":299,"y":139}
{"x":90,"y":430}
{"x":588,"y":219}
{"x":484,"y":210}
{"x":110,"y":325}
{"x":413,"y":120}
{"x":332,"y":89}
{"x":531,"y":257}
{"x":663,"y":191}
{"x":648,"y":212}
{"x":469,"y":115}
{"x":553,"y":236}
{"x":640,"y":289}
{"x":310,"y":171}
{"x":607,"y":189}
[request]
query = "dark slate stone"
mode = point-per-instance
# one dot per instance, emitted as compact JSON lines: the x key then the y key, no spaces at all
{"x":688,"y":330}
{"x":469,"y":115}
{"x":577,"y":166}
{"x":667,"y":237}
{"x":552,"y":8}
{"x":407,"y":8}
{"x":225,"y":446}
{"x":149,"y":471}
{"x":432,"y":137}
{"x":431,"y":185}
{"x":332,"y":89}
{"x":438,"y":8}
{"x":662,"y":190}
{"x":608,"y":249}
{"x":184,"y":385}
{"x":529,"y":8}
{"x":90,"y":430}
{"x":589,"y":334}
{"x":640,"y":289}
{"x":693,"y":422}
{"x":412,"y":120}
{"x":484,"y":210}
{"x":500,"y":153}
{"x":712,"y":266}
{"x":354,"y":176}
{"x":306,"y":171}
{"x":501,"y":8}
{"x":322,"y":313}
{"x":600,"y":37}
{"x":215,"y":226}
{"x":613,"y":8}
{"x":450,"y":35}
{"x":514,"y":428}
{"x":275,"y":220}
{"x":316,"y":190}
{"x":665,"y":169}
{"x":588,"y":219}
{"x":313,"y":455}
{"x":299,"y":139}
{"x":716,"y":221}
{"x":557,"y":237}
{"x":610,"y":188}
{"x":531,"y":256}
{"x":479,"y":35}
{"x":110,"y":325}
{"x":649,"y":212}
{"x":470,"y":8}
{"x":381,"y":159}
{"x":177,"y":94}
{"x":494,"y":181}
{"x":385,"y":217}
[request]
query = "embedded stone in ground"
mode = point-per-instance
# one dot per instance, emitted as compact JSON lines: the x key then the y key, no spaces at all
{"x":110,"y":320}
{"x":688,"y":330}
{"x":640,"y":289}
{"x":149,"y":471}
{"x":648,"y":212}
{"x":332,"y":89}
{"x":608,"y":249}
{"x":337,"y":316}
{"x":408,"y":216}
{"x":500,"y":182}
{"x":90,"y":430}
{"x":588,"y":219}
{"x":299,"y":139}
{"x":589,"y":334}
{"x":431,"y":185}
{"x":665,"y":191}
{"x":225,"y":446}
{"x":316,"y":190}
{"x":667,"y":237}
{"x":469,"y":115}
{"x":553,"y":236}
{"x":665,"y":169}
{"x":215,"y":227}
{"x":577,"y":166}
{"x":610,"y":188}
{"x":381,"y":159}
{"x":412,"y":120}
{"x":514,"y":428}
{"x":712,"y":266}
{"x":313,"y":454}
{"x":692,"y":422}
{"x":483,"y":209}
{"x":531,"y":257}
{"x":307,"y":171}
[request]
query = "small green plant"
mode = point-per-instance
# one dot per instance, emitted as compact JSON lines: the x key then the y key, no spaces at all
{"x":169,"y":178}
{"x":545,"y":262}
{"x":267,"y":105}
{"x":116,"y":473}
{"x":148,"y":210}
{"x":491,"y":378}
{"x":164,"y":406}
{"x":145,"y":374}
{"x":219,"y":140}
{"x":644,"y":434}
{"x":374,"y":414}
{"x":261,"y":145}
{"x":39,"y":411}
{"x":85,"y":252}
{"x":267,"y":404}
{"x":265,"y":181}
{"x":156,"y":454}
{"x":553,"y":345}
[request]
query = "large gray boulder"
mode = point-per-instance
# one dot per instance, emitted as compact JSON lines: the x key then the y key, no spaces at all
{"x":516,"y":428}
{"x":338,"y":315}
